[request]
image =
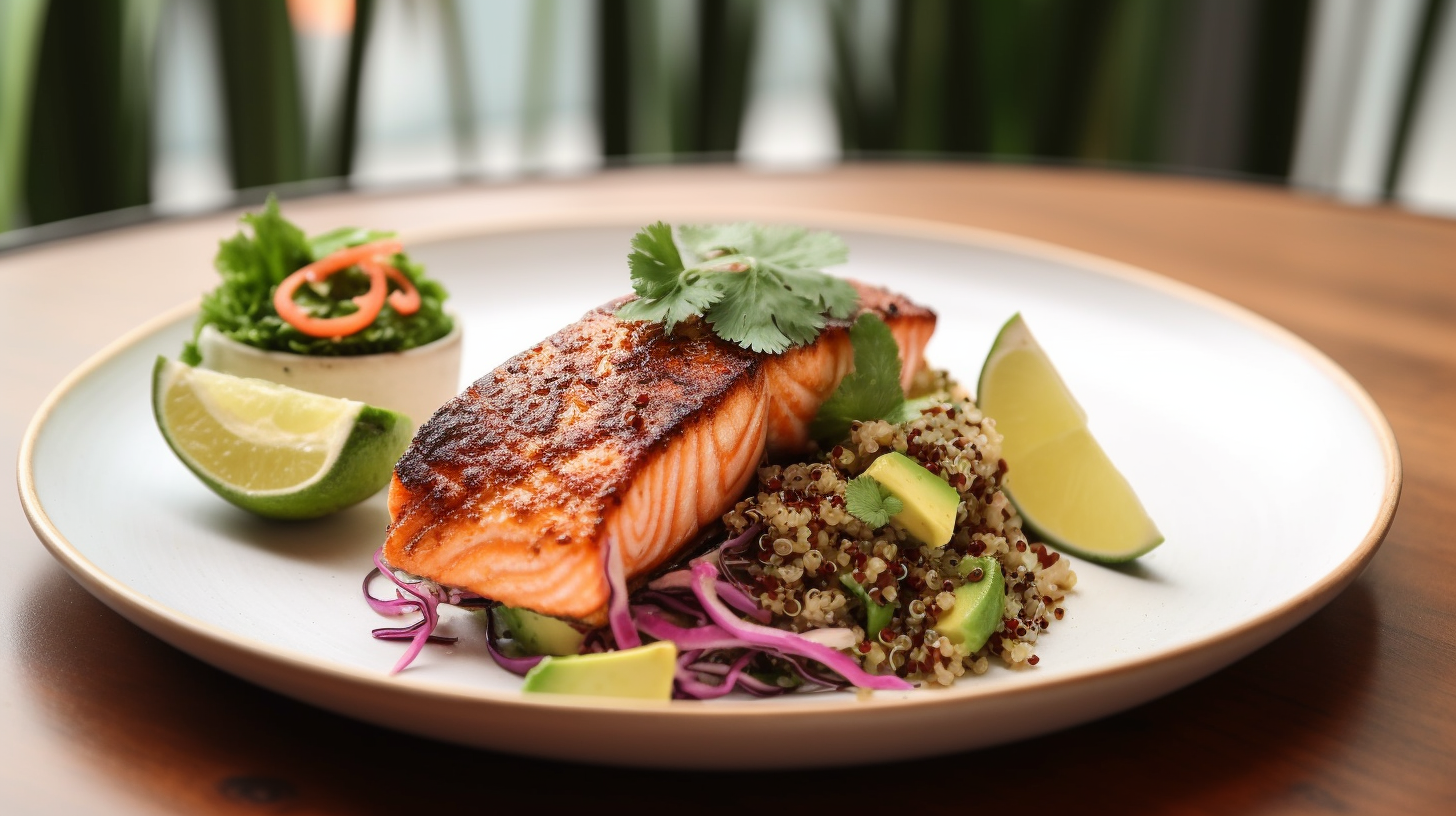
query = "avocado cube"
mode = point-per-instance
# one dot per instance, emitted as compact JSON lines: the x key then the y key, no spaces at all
{"x":979,"y":606}
{"x":877,"y":615}
{"x":930,"y":503}
{"x":540,"y":634}
{"x":643,"y":673}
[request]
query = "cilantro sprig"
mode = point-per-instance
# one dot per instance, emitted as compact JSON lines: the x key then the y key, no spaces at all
{"x":758,"y":285}
{"x":871,"y":502}
{"x":872,"y":390}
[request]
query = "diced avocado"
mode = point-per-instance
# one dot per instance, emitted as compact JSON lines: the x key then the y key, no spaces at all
{"x":930,"y":503}
{"x":877,"y":615}
{"x":978,"y":606}
{"x":539,"y":634}
{"x":643,"y":673}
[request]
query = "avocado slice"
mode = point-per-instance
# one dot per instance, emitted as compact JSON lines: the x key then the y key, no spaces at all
{"x":540,"y":634}
{"x":930,"y":503}
{"x":978,"y":606}
{"x":877,"y":615}
{"x":643,"y":673}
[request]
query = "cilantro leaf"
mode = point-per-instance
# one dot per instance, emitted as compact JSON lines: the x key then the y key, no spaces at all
{"x":871,"y":391}
{"x":870,"y":502}
{"x":758,"y":286}
{"x":759,"y":313}
{"x":667,"y":291}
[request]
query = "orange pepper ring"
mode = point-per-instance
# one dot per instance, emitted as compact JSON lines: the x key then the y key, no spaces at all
{"x":405,"y":299}
{"x":370,"y":303}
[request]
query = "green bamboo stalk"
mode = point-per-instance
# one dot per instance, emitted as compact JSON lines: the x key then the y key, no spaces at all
{"x":540,"y":72}
{"x":726,"y":30}
{"x":1073,"y":35}
{"x":21,"y":22}
{"x":260,"y":78}
{"x":1026,"y":55}
{"x":967,"y":110}
{"x":921,"y":87}
{"x":1279,"y":58}
{"x":652,"y":122}
{"x":1128,"y":98}
{"x":614,"y":43}
{"x":461,"y":98}
{"x":88,"y":147}
{"x":847,"y":89}
{"x":340,"y":163}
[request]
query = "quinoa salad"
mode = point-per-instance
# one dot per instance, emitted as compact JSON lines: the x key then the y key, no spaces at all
{"x":809,"y":541}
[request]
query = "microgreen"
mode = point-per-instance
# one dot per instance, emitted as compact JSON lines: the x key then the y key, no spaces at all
{"x":759,"y":286}
{"x":872,"y":390}
{"x":870,"y":502}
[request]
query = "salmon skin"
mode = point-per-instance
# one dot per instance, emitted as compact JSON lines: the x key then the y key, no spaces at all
{"x":608,"y":429}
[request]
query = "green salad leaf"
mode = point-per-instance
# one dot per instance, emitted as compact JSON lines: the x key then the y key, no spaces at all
{"x":252,"y":266}
{"x":871,"y":502}
{"x":871,"y":391}
{"x":760,"y":286}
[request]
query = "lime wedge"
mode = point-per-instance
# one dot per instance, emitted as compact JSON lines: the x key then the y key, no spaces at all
{"x":275,"y":450}
{"x":1059,"y":478}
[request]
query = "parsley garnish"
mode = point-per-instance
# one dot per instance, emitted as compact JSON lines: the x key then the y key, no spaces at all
{"x":872,"y":390}
{"x":870,"y":502}
{"x":760,"y":286}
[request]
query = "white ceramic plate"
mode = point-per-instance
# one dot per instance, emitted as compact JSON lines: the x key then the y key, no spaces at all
{"x":1271,"y":472}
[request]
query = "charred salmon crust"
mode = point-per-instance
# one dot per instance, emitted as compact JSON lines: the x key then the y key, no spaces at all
{"x":606,"y":429}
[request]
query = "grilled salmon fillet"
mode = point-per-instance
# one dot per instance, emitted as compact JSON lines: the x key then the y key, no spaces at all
{"x":608,"y":429}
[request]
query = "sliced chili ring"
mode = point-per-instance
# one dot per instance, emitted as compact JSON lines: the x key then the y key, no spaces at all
{"x":369,"y":303}
{"x":349,"y":256}
{"x":405,"y":299}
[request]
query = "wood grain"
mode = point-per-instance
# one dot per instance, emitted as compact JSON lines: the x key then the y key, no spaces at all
{"x":1352,"y":712}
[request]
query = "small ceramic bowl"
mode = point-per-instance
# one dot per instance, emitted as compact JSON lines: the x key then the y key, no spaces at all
{"x":413,"y":382}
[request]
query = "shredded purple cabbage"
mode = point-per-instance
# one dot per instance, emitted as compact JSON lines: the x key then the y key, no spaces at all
{"x":619,"y":615}
{"x":715,"y":652}
{"x":778,"y":640}
{"x":424,"y":596}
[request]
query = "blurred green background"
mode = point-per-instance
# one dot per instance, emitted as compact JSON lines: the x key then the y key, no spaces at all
{"x":170,"y":106}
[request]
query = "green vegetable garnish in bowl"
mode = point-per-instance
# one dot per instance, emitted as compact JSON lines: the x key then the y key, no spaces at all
{"x":344,"y":314}
{"x":252,"y":267}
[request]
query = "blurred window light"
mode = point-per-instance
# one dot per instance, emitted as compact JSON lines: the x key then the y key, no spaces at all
{"x":790,"y":121}
{"x":322,"y":30}
{"x":1427,"y":180}
{"x":190,"y":171}
{"x":477,"y":89}
{"x":531,"y":71}
{"x":1359,"y":63}
{"x":405,"y":126}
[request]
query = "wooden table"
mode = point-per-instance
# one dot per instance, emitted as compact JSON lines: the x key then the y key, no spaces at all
{"x":1354,"y":711}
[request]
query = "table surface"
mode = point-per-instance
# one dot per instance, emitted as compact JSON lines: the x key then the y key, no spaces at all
{"x":1353,"y":711}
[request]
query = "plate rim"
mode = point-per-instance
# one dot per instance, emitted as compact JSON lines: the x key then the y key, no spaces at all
{"x":175,"y":626}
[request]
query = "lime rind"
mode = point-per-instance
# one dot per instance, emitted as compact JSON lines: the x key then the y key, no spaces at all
{"x":359,"y":458}
{"x":1053,"y":424}
{"x":1058,"y":543}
